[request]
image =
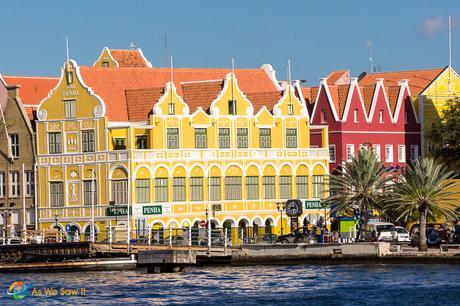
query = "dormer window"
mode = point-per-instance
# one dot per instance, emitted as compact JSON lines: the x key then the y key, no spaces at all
{"x":355,"y":115}
{"x":381,"y":116}
{"x":70,"y":110}
{"x":232,"y":107}
{"x":171,"y":109}
{"x":69,"y":77}
{"x":290,"y":109}
{"x":323,"y":116}
{"x":105,"y":64}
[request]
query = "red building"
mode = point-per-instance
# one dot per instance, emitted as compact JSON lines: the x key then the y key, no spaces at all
{"x":375,"y":115}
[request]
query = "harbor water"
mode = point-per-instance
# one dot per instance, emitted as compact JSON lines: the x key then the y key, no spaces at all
{"x":245,"y":285}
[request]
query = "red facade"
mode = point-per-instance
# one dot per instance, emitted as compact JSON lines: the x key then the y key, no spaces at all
{"x":377,"y":116}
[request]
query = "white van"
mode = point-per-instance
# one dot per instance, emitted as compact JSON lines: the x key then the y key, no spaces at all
{"x":385,"y":231}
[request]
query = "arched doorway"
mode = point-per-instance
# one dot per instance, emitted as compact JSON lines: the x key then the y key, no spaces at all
{"x":157,"y":233}
{"x":243,"y":230}
{"x":74,"y":233}
{"x":87,"y":233}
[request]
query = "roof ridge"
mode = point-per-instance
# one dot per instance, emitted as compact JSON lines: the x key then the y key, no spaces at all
{"x":30,"y":77}
{"x":202,"y":81}
{"x":408,"y":70}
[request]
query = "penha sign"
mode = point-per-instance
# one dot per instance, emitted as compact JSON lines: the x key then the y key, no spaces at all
{"x":115,"y":211}
{"x":313,"y":204}
{"x":152,"y":210}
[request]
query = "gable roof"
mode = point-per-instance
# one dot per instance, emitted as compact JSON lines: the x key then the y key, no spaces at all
{"x":33,"y":91}
{"x":139,"y":102}
{"x":129,"y":58}
{"x":111,"y":83}
{"x":419,"y":80}
{"x":339,"y":94}
{"x":339,"y":77}
{"x":200,"y":93}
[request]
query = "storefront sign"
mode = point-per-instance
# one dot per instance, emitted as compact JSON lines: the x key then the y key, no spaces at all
{"x":293,"y":208}
{"x":152,"y":210}
{"x":115,"y":211}
{"x":216,"y":207}
{"x":313,"y":204}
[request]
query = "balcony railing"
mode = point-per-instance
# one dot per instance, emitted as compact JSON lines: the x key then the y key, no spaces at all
{"x":185,"y":154}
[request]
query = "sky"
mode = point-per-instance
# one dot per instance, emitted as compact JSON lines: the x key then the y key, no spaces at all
{"x":317,"y":36}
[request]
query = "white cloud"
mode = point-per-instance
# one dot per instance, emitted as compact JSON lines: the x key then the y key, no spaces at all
{"x":432,"y":25}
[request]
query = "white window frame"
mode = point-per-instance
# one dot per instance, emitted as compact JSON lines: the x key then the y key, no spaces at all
{"x":389,"y":153}
{"x":30,"y":183}
{"x":401,"y":153}
{"x":376,"y":150}
{"x":350,"y":152}
{"x":70,"y":109}
{"x":323,"y":116}
{"x":355,"y":115}
{"x":381,"y":116}
{"x":332,"y":157}
{"x":14,"y":142}
{"x":14,"y":184}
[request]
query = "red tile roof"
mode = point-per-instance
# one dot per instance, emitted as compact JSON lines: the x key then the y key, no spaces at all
{"x":129,"y":58}
{"x":338,"y":77}
{"x":392,"y":94}
{"x":200,"y":93}
{"x":339,"y":95}
{"x":111,"y":83}
{"x":139,"y":102}
{"x":260,"y":99}
{"x":33,"y":89}
{"x":367,"y":92}
{"x":418,"y":79}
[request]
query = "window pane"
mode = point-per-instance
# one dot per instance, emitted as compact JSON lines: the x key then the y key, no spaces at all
{"x":318,"y":186}
{"x":269,"y":187}
{"x":252,"y":187}
{"x":233,"y":188}
{"x":56,"y":194}
{"x":201,"y":141}
{"x":88,"y":141}
{"x":179,"y":189}
{"x":173,"y":138}
{"x":161,"y":190}
{"x":285,"y":187}
{"x":142,"y":190}
{"x":215,"y":188}
{"x":141,"y":142}
{"x":89,"y":194}
{"x":242,"y":138}
{"x":291,"y":138}
{"x":265,"y":138}
{"x":224,"y":138}
{"x":196,"y":188}
{"x":302,"y":186}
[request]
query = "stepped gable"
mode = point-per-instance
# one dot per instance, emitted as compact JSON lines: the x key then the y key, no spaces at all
{"x":140,"y":102}
{"x":33,"y":90}
{"x":200,"y":93}
{"x":129,"y":58}
{"x":111,"y":83}
{"x":419,"y":80}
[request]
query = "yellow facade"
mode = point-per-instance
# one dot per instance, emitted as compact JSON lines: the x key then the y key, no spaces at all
{"x":444,"y":88}
{"x":171,"y":182}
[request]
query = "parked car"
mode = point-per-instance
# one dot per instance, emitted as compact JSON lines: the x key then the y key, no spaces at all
{"x":298,"y":236}
{"x":438,"y":227}
{"x":385,"y":231}
{"x":432,"y":237}
{"x":402,"y":233}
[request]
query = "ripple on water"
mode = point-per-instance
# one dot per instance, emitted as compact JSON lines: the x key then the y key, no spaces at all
{"x":255,"y":285}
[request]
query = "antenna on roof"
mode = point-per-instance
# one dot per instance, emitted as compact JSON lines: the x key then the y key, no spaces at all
{"x":371,"y":64}
{"x":289,"y":80}
{"x":67,"y":48}
{"x":133,"y":45}
{"x":450,"y":51}
{"x":233,"y":75}
{"x":171,"y":76}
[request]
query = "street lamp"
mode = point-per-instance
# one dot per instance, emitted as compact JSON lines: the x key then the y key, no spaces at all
{"x":281,"y":206}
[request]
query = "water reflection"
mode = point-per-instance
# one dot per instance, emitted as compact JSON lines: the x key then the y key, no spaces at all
{"x":254,"y":285}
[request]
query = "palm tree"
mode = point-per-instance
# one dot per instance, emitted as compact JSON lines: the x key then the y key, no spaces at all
{"x":358,"y":185}
{"x":424,"y":189}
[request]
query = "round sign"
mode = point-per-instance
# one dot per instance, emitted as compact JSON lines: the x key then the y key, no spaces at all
{"x":203,"y":223}
{"x":293,"y":208}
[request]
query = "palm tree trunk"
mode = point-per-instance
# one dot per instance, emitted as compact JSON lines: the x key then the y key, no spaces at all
{"x":422,"y":245}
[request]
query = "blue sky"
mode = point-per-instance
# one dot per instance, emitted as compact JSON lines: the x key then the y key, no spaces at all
{"x":318,"y":36}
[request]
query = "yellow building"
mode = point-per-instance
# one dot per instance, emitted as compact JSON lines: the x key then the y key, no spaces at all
{"x":172,"y":146}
